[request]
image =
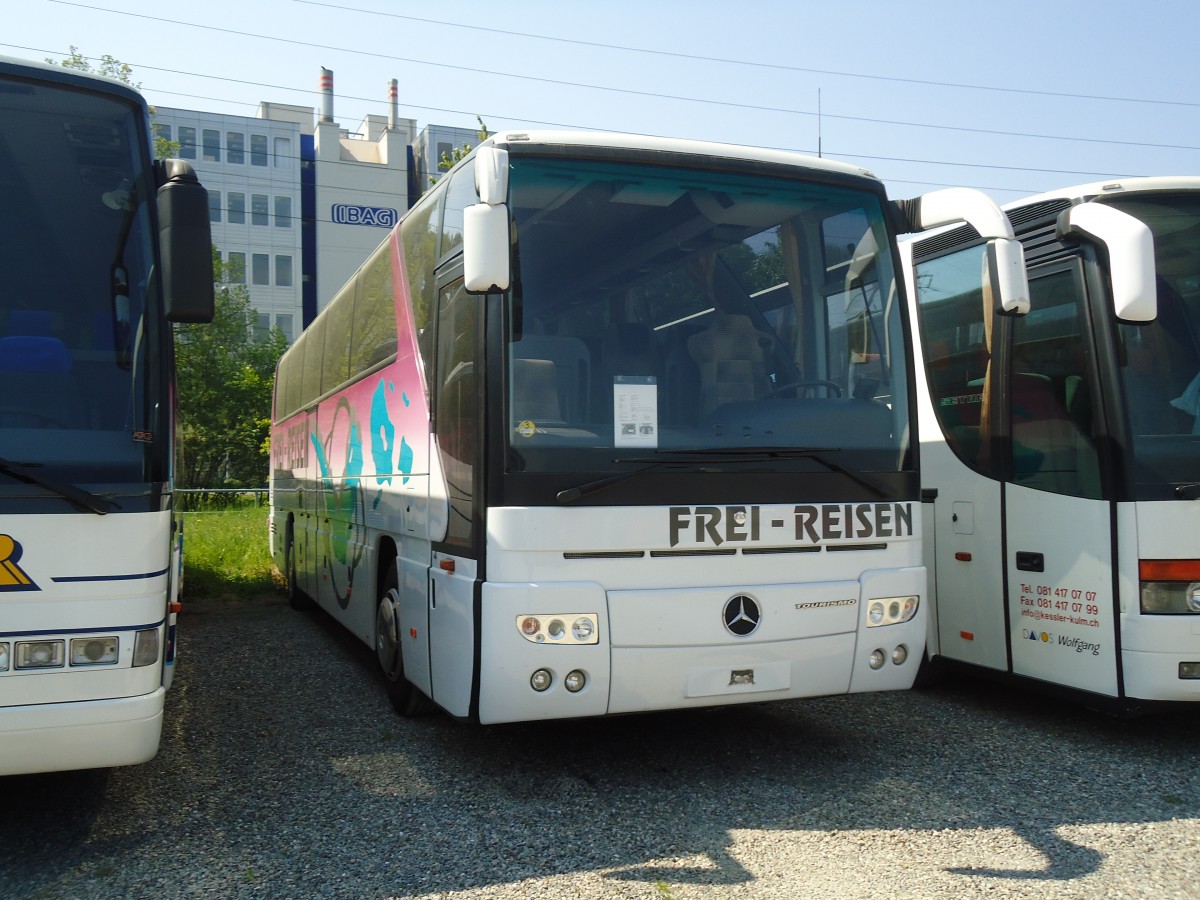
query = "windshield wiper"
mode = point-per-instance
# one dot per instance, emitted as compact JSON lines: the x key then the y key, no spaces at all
{"x":724,"y":455}
{"x":816,"y":454}
{"x":77,"y":496}
{"x":1188,"y":491}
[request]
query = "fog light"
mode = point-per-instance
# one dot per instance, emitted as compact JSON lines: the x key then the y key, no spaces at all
{"x":145,"y":648}
{"x":583,"y":629}
{"x":575,"y":681}
{"x":4,"y":656}
{"x":40,"y":654}
{"x":899,"y":655}
{"x":541,"y":680}
{"x":94,"y":651}
{"x":1189,"y":670}
{"x":877,"y":659}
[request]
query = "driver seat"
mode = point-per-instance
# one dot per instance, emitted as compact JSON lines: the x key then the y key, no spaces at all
{"x":731,"y":355}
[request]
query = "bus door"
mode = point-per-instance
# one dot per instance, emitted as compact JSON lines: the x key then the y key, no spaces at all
{"x":459,"y":412}
{"x":1059,"y":528}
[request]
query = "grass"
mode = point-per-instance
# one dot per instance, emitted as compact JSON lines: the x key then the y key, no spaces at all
{"x":226,"y":554}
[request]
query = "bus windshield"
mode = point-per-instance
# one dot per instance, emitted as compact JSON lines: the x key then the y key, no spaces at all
{"x":75,"y":352}
{"x":1160,"y":360}
{"x":663,"y":309}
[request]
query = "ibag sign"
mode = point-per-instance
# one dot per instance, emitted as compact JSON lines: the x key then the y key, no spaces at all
{"x":377,"y":216}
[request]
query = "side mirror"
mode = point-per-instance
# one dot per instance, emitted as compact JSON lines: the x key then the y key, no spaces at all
{"x":1010,"y":283}
{"x":185,"y":241}
{"x":487,"y":263}
{"x":1006,"y":256}
{"x":486,"y":246}
{"x":1129,"y":245}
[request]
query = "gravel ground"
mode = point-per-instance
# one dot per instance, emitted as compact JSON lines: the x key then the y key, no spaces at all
{"x":284,"y":773}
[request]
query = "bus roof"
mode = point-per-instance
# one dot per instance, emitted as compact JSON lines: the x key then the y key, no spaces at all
{"x":75,"y":78}
{"x":1111,"y":187}
{"x":512,"y":139}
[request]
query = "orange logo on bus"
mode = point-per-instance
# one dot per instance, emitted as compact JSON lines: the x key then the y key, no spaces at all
{"x":12,"y":576}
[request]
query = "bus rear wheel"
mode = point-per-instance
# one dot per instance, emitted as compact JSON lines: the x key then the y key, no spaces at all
{"x":406,"y":698}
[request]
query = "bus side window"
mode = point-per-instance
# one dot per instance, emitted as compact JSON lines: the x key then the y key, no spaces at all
{"x":950,"y":314}
{"x":457,"y":405}
{"x":1050,"y":393}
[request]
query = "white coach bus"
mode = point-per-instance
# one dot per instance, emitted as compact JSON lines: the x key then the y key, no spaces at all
{"x":611,"y":424}
{"x":1061,"y":449}
{"x":103,"y":249}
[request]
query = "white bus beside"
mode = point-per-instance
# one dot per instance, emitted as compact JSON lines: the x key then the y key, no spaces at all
{"x":611,"y":424}
{"x":103,"y":249}
{"x":1061,"y":448}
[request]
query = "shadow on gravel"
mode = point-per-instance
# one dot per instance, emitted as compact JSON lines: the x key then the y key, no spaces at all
{"x":284,"y":772}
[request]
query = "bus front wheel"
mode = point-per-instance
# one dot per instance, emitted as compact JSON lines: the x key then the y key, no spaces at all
{"x":406,"y":699}
{"x":297,"y":599}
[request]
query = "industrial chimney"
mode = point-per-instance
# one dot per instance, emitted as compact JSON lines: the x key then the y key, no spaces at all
{"x":326,"y":88}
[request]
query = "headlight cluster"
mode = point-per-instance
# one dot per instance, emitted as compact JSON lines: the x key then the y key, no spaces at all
{"x":58,"y":653}
{"x":1170,"y":587}
{"x":891,"y":610}
{"x":567,"y":628}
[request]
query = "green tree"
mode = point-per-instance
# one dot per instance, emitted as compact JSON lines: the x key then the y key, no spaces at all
{"x":446,"y":163}
{"x":226,"y":376}
{"x":112,"y":67}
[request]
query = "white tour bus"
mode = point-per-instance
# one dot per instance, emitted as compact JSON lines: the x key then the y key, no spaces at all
{"x":103,"y":249}
{"x":610,"y":424}
{"x":1061,"y":449}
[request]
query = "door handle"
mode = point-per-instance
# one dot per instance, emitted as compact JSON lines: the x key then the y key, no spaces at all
{"x":1028,"y":561}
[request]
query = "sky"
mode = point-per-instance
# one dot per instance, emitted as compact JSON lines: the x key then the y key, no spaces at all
{"x":1013,"y":98}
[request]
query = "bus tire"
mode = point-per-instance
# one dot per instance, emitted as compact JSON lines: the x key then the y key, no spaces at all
{"x":297,"y":599}
{"x":406,"y":698}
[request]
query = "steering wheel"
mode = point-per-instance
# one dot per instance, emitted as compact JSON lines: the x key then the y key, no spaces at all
{"x":832,"y":388}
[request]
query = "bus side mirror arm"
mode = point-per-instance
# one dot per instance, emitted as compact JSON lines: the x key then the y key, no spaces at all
{"x":1006,"y":257}
{"x":1129,"y":245}
{"x":487,"y":263}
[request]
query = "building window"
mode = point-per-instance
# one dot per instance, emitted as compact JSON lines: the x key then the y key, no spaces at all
{"x":236,"y":272}
{"x":283,"y":271}
{"x":187,"y":142}
{"x":262,"y":327}
{"x":283,"y":322}
{"x":212,"y":145}
{"x":162,"y":131}
{"x":258,"y":209}
{"x":237,"y":208}
{"x":260,"y":268}
{"x":235,"y":147}
{"x":214,"y":206}
{"x":283,"y":153}
{"x":258,"y":149}
{"x":283,"y":212}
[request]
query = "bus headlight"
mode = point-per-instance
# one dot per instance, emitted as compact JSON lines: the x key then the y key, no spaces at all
{"x":40,"y":654}
{"x":3,"y":656}
{"x":1169,"y":586}
{"x":1170,"y":598}
{"x":539,"y":628}
{"x":891,"y":610}
{"x":101,"y":651}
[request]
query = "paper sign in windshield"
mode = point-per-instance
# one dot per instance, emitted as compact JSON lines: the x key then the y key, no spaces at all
{"x":635,"y":411}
